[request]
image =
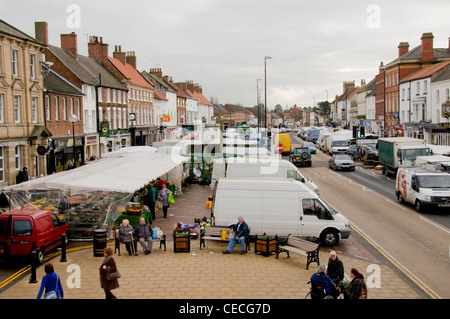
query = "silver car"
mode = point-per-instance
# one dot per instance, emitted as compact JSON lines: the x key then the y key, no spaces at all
{"x":342,"y":162}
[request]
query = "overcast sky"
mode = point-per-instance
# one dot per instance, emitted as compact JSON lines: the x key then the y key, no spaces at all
{"x":221,"y":44}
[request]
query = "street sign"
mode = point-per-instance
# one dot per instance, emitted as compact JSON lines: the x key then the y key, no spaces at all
{"x":279,"y":148}
{"x":41,"y":150}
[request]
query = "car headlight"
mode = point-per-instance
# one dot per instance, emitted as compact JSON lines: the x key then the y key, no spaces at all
{"x":427,"y":198}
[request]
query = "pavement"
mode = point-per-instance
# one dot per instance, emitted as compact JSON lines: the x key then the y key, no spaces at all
{"x":202,"y":274}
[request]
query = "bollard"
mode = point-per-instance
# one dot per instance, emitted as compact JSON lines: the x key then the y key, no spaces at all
{"x":63,"y":249}
{"x":33,"y":257}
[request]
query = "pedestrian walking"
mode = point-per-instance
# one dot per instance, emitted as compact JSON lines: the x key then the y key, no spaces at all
{"x":51,"y":284}
{"x":108,"y":273}
{"x":144,"y":235}
{"x":163,"y":196}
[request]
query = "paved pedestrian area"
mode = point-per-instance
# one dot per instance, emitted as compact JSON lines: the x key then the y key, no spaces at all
{"x":200,"y":274}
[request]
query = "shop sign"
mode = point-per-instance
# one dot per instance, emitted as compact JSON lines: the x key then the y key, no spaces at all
{"x":446,"y":109}
{"x":104,"y":129}
{"x":165,"y":118}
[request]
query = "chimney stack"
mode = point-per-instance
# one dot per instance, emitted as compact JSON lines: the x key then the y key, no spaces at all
{"x":97,"y":49}
{"x":119,"y":55}
{"x":403,"y":48}
{"x":427,"y":51}
{"x":131,"y":58}
{"x":156,"y":71}
{"x":41,"y":31}
{"x":69,"y":42}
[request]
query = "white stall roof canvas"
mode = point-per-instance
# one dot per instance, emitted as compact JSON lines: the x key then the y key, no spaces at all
{"x":125,"y":172}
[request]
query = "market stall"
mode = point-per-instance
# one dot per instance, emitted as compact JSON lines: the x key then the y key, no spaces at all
{"x":93,"y":196}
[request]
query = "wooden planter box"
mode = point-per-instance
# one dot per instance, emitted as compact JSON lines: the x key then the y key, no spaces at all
{"x":266,"y":244}
{"x":181,"y":243}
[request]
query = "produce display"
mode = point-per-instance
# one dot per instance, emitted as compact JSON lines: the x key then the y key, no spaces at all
{"x":84,"y":212}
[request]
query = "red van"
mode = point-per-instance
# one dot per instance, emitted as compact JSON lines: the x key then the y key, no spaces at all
{"x":23,"y":231}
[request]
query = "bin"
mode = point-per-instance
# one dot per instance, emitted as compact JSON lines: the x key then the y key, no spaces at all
{"x":100,"y":241}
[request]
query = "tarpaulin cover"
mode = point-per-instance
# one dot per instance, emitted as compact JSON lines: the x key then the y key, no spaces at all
{"x":94,"y":195}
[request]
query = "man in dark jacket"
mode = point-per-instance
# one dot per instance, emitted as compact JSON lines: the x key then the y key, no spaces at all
{"x":335,"y":268}
{"x":241,"y":232}
{"x":144,"y":234}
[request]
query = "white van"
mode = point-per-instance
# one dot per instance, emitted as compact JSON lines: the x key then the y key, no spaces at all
{"x":277,"y":207}
{"x":258,"y":167}
{"x":423,"y":188}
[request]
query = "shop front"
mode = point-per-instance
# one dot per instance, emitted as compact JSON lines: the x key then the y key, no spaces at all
{"x":62,"y":151}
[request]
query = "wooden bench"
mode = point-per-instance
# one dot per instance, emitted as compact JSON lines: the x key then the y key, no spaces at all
{"x":215,"y":233}
{"x":300,"y":246}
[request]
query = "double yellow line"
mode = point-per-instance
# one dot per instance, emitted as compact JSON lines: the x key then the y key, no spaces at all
{"x":396,"y":263}
{"x":27,"y":268}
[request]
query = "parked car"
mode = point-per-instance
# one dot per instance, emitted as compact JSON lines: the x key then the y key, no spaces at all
{"x":24,"y":231}
{"x":311,"y":146}
{"x":341,"y":162}
{"x":301,"y":156}
{"x":352,"y":152}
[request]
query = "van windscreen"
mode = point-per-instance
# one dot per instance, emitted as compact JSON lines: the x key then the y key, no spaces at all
{"x":21,"y":228}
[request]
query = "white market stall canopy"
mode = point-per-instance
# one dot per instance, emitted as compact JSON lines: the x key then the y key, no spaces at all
{"x":124,"y":171}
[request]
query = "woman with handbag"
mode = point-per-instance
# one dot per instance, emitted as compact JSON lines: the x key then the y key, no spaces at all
{"x":109,"y":274}
{"x":357,"y":288}
{"x":164,"y":197}
{"x":52,"y":284}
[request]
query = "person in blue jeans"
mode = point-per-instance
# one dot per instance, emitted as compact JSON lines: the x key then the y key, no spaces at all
{"x":51,"y":281}
{"x":241,"y":232}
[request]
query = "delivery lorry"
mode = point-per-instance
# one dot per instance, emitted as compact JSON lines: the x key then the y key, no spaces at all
{"x":338,"y":142}
{"x":277,"y":207}
{"x":395,"y":152}
{"x":258,"y":167}
{"x":424,"y":189}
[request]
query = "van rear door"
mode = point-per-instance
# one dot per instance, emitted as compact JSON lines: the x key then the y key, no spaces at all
{"x":22,"y":236}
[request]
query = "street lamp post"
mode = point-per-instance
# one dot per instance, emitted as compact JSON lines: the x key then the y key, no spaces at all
{"x":265,"y":92}
{"x":73,"y":118}
{"x":257,"y":103}
{"x":382,"y":67}
{"x":132,"y":118}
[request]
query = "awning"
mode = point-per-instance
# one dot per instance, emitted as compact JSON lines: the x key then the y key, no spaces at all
{"x":124,"y":171}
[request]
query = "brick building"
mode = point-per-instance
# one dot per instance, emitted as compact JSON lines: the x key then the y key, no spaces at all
{"x":138,"y":115}
{"x":22,"y":123}
{"x":63,"y":100}
{"x":389,"y":77}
